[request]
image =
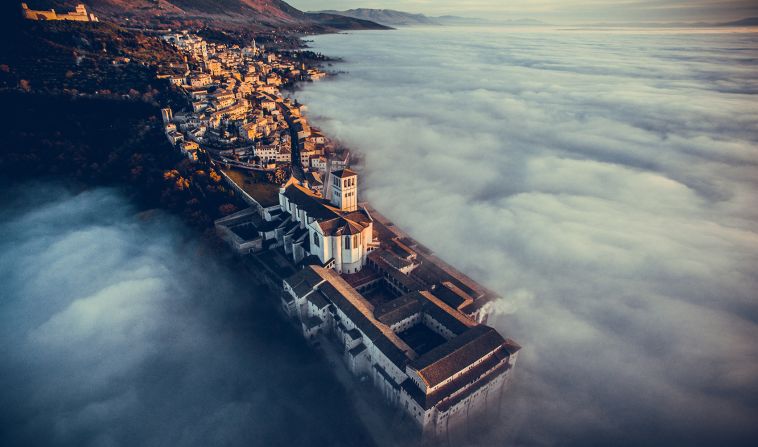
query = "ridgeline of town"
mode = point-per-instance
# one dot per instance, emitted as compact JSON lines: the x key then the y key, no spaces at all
{"x":200,"y":122}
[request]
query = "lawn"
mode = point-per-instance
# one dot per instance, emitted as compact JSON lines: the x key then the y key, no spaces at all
{"x":267,"y":194}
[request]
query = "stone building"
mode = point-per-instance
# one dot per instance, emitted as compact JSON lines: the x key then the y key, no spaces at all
{"x":336,"y":232}
{"x":441,"y":367}
{"x":80,"y":14}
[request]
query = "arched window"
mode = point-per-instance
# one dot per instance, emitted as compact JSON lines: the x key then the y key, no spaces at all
{"x":347,"y":242}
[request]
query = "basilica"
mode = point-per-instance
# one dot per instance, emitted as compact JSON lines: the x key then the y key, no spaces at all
{"x":336,"y":231}
{"x":398,"y":315}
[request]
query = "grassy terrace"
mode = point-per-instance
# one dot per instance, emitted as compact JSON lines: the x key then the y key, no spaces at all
{"x":267,"y":194}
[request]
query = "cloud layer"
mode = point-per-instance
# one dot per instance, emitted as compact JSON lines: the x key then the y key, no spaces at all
{"x":559,"y":11}
{"x":605,"y":185}
{"x":121,"y":330}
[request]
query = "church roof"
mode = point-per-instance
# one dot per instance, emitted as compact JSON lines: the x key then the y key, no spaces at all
{"x":309,"y":201}
{"x":331,"y":220}
{"x":344,"y":173}
{"x":340,"y":226}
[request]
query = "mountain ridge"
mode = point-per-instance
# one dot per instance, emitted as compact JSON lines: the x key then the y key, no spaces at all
{"x":388,"y":17}
{"x":392,"y":17}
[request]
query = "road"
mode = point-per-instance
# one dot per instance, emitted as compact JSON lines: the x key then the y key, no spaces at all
{"x":296,"y":166}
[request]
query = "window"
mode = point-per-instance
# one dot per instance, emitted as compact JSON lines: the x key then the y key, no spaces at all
{"x":347,"y":243}
{"x":316,"y":241}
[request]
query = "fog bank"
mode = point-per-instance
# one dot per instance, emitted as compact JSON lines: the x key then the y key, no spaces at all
{"x":605,"y":184}
{"x":120,"y":329}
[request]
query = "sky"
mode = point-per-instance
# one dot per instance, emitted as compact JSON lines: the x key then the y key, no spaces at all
{"x":604,"y":184}
{"x":559,"y":11}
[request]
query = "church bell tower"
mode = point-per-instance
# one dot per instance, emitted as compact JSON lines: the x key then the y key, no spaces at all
{"x":344,"y":190}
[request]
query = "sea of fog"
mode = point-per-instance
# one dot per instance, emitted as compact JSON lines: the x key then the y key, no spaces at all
{"x":604,"y":182}
{"x":120,"y":328}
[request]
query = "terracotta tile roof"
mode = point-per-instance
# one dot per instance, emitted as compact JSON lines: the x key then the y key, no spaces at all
{"x":446,"y":360}
{"x":310,"y":202}
{"x":360,"y":312}
{"x":304,"y":281}
{"x":344,"y":173}
{"x":406,"y":281}
{"x":398,"y":309}
{"x":331,"y":219}
{"x":451,"y":294}
{"x":454,"y":321}
{"x":407,"y":305}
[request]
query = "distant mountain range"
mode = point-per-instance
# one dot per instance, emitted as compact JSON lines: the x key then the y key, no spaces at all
{"x":391,"y":17}
{"x":387,"y":17}
{"x":248,"y":14}
{"x":750,"y":21}
{"x":394,"y":18}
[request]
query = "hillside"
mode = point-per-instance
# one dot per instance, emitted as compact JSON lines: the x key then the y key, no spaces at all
{"x":81,"y":104}
{"x":81,"y":58}
{"x":252,"y":15}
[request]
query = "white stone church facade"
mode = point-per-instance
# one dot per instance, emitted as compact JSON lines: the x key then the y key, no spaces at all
{"x":339,"y":232}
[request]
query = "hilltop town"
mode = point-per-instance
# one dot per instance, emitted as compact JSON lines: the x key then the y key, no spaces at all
{"x":238,"y":116}
{"x":354,"y":284}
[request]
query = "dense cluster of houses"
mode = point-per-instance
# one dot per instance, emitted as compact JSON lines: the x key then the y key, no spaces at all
{"x":237,"y":107}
